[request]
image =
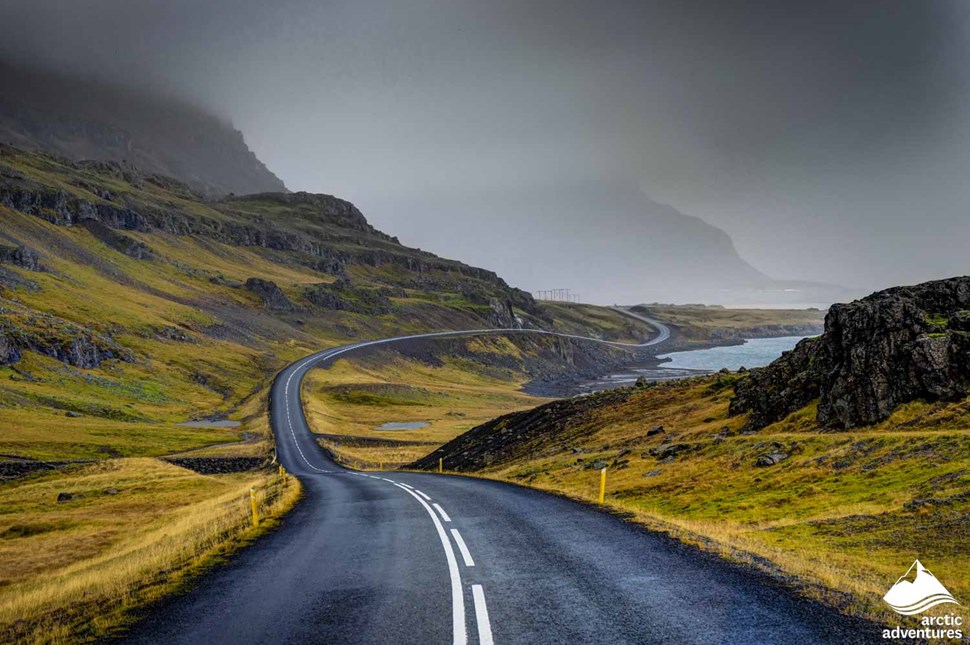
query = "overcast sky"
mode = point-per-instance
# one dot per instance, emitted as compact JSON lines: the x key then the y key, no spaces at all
{"x":831,"y":140}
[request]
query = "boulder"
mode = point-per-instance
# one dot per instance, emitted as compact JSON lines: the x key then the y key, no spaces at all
{"x":655,"y":431}
{"x":671,"y":450}
{"x":269,"y":292}
{"x":771,"y":459}
{"x":64,"y":496}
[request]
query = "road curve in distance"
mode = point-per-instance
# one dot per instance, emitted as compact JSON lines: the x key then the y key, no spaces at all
{"x":405,"y":557}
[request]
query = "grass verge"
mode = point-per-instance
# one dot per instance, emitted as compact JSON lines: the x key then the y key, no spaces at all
{"x":133,"y":531}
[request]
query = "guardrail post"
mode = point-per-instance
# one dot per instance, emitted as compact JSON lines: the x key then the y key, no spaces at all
{"x":252,"y":503}
{"x":603,"y":485}
{"x":441,"y":464}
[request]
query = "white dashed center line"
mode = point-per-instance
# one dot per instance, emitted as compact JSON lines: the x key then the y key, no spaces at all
{"x":481,"y":616}
{"x":444,"y":515}
{"x":457,"y":595}
{"x":466,"y":556}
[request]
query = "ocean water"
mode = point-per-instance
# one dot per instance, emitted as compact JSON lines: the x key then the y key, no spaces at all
{"x":755,"y":352}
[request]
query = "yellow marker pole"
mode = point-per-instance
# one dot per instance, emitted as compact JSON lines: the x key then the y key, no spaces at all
{"x":380,"y":465}
{"x":252,"y":502}
{"x":603,"y":485}
{"x":282,"y":473}
{"x":441,"y":464}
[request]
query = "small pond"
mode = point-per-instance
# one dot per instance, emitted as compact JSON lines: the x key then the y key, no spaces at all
{"x":403,"y":425}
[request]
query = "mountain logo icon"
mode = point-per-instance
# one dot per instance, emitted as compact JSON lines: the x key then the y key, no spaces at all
{"x":914,"y":597}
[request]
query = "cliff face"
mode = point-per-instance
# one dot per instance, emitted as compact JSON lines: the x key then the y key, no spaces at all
{"x":876,"y":353}
{"x":85,"y":120}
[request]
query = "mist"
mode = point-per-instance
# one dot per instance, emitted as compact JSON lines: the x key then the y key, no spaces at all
{"x":829,"y":140}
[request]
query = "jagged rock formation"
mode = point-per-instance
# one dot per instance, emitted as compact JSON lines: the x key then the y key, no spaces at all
{"x":161,"y":135}
{"x":270,"y":294}
{"x":342,"y":295}
{"x":892,"y":347}
{"x":64,"y":341}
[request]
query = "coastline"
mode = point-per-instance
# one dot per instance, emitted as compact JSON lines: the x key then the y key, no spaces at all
{"x":650,"y":359}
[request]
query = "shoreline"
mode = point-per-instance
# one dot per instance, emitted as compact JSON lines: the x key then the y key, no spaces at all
{"x":649,"y":359}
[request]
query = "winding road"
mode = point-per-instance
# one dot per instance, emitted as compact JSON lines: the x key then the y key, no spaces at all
{"x":396,"y":557}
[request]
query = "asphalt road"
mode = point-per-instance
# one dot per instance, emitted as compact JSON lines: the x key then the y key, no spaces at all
{"x":425,"y":558}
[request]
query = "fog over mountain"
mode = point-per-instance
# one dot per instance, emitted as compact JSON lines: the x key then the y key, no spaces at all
{"x":830,"y":140}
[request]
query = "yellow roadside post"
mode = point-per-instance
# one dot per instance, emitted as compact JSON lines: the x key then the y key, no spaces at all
{"x":441,"y":464}
{"x":380,"y":465}
{"x":603,"y":485}
{"x":252,"y":503}
{"x":282,"y":473}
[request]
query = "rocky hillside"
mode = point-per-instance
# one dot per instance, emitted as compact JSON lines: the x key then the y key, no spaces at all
{"x":887,"y":349}
{"x":86,"y":120}
{"x":128,"y":301}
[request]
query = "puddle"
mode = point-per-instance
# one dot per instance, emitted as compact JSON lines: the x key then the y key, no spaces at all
{"x":403,"y":425}
{"x":225,"y":423}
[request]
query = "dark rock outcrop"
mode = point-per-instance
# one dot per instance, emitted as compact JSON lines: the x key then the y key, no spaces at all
{"x":502,"y":314}
{"x":545,"y":430}
{"x":343,"y":295}
{"x":269,"y":292}
{"x":889,"y":348}
{"x":20,"y":256}
{"x":773,"y":392}
{"x":118,"y":241}
{"x":771,"y":459}
{"x":58,"y":339}
{"x":14,"y":468}
{"x":219,"y":465}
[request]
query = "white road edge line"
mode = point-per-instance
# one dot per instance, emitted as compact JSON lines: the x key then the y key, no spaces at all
{"x":405,"y":485}
{"x":422,"y":494}
{"x":457,"y":593}
{"x":481,"y":616}
{"x":444,"y":515}
{"x":465,"y":555}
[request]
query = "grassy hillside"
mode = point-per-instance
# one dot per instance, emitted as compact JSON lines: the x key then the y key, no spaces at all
{"x":839,"y":515}
{"x":128,"y":305}
{"x":348,"y":403}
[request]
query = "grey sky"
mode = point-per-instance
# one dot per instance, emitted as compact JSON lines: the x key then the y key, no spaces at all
{"x":831,"y":140}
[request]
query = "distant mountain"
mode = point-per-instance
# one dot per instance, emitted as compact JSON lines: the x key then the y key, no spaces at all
{"x":87,"y":120}
{"x":607,"y":241}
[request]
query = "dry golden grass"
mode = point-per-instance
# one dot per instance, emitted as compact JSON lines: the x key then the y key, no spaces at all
{"x":71,"y":571}
{"x":836,"y":519}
